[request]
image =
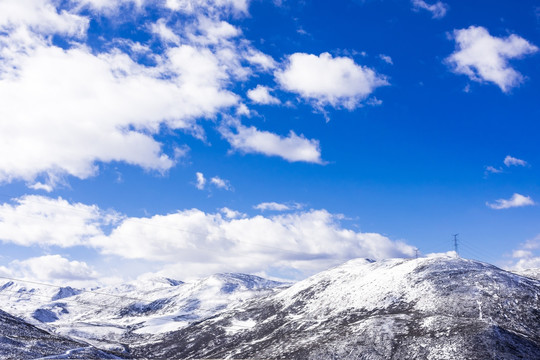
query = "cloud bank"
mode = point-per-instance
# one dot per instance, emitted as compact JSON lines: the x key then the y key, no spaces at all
{"x":192,"y":242}
{"x":67,"y":108}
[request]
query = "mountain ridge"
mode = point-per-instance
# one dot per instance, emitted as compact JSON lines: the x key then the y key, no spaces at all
{"x":437,"y":308}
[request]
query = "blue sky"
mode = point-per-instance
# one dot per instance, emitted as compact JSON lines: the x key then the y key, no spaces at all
{"x":279,"y":138}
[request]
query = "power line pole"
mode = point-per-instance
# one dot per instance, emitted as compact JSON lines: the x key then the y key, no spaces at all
{"x":456,"y":243}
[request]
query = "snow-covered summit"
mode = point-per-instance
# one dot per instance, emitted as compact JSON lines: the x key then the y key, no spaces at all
{"x":441,"y":307}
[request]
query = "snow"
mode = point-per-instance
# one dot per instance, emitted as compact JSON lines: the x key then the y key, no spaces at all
{"x":240,"y":325}
{"x":434,"y":307}
{"x":438,"y":307}
{"x":147,"y":306}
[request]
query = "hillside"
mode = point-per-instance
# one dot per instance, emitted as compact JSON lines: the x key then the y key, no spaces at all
{"x":20,"y":340}
{"x":128,"y":313}
{"x":427,"y":308}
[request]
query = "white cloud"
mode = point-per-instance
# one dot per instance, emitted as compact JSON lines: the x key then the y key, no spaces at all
{"x":88,"y":108}
{"x":387,"y":59}
{"x":181,"y":152}
{"x":292,"y":148}
{"x":40,"y":16}
{"x":212,"y":7}
{"x":527,"y":256}
{"x":220,"y":183}
{"x":161,"y":29}
{"x":298,"y":243}
{"x":493,"y":170}
{"x":216,"y":181}
{"x":273,"y":206}
{"x":521,"y":253}
{"x":232,"y":214}
{"x":255,"y":57}
{"x":41,"y":186}
{"x":325,"y":80}
{"x":261,"y":95}
{"x":36,"y":220}
{"x":508,"y":161}
{"x":239,"y":7}
{"x":107,"y":6}
{"x":52,"y":268}
{"x":517,"y":200}
{"x":512,"y":161}
{"x":483,"y":57}
{"x":201,"y":181}
{"x":66,"y":110}
{"x":438,"y":10}
{"x":203,"y":243}
{"x":532,"y":244}
{"x":213,"y":32}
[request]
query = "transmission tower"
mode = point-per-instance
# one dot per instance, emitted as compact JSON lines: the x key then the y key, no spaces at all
{"x":456,"y":243}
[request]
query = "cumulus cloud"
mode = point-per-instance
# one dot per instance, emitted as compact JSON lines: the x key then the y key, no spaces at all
{"x":297,"y":243}
{"x":292,"y":147}
{"x":202,"y":241}
{"x":517,"y":200}
{"x":438,"y":10}
{"x":328,"y":81}
{"x":67,"y":109}
{"x":512,"y":161}
{"x":484,"y":58}
{"x":51,"y":268}
{"x":261,"y":95}
{"x":42,"y":221}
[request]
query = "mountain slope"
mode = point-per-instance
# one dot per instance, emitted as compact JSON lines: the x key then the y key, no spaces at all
{"x":131,"y":312}
{"x":20,"y":340}
{"x":431,"y":308}
{"x":532,"y":273}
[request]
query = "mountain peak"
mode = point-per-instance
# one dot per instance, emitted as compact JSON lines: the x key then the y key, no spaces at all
{"x":437,"y":307}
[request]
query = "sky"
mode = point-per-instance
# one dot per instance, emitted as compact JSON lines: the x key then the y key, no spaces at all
{"x":183,"y":138}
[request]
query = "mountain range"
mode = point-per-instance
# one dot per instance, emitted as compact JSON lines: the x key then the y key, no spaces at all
{"x":440,"y":307}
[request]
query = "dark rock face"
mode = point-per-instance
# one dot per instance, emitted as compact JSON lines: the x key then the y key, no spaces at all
{"x":430,"y":308}
{"x":65,"y":292}
{"x":44,"y":315}
{"x":20,"y":340}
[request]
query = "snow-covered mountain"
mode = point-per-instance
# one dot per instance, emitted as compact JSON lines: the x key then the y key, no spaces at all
{"x":128,"y":313}
{"x":20,"y":340}
{"x":427,"y":308}
{"x":532,"y":273}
